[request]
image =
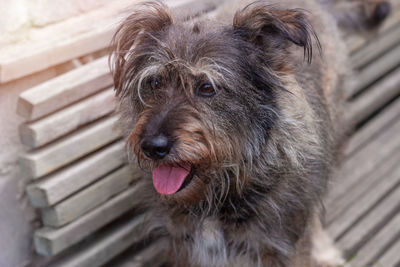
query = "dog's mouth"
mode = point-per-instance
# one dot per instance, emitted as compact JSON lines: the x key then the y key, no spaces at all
{"x":171,"y":178}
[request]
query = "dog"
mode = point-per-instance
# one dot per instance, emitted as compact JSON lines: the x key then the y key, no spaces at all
{"x":238,"y":120}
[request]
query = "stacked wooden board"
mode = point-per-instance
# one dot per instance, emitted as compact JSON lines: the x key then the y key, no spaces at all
{"x":363,"y":207}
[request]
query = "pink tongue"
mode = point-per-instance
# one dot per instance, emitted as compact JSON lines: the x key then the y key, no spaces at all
{"x":167,"y":179}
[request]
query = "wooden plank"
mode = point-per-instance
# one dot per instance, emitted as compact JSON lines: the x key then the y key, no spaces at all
{"x":76,"y":37}
{"x":377,"y":47}
{"x":64,"y":183}
{"x":368,"y":253}
{"x":358,"y":230}
{"x":372,"y":181}
{"x":89,"y":198}
{"x":64,"y":89}
{"x":376,"y":96}
{"x":391,"y":258}
{"x":357,"y":41}
{"x":361,"y":163}
{"x":50,"y":158}
{"x":60,"y":42}
{"x":373,"y":128}
{"x":364,"y":204}
{"x":372,"y":72}
{"x":106,"y":246}
{"x":48,"y":129}
{"x":50,"y":241}
{"x":152,"y":255}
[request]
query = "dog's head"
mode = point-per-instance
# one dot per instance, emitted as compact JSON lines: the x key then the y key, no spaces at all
{"x":199,"y":99}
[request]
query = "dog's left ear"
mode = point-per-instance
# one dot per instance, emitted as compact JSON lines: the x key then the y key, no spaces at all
{"x":148,"y":18}
{"x":270,"y":27}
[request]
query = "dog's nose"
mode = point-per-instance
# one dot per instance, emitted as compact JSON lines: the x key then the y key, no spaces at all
{"x":155,"y":147}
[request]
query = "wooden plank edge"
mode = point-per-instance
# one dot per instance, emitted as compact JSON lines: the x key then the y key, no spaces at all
{"x":60,"y":185}
{"x":48,"y":129}
{"x":89,"y":198}
{"x":48,"y":159}
{"x":107,"y":245}
{"x":50,"y":241}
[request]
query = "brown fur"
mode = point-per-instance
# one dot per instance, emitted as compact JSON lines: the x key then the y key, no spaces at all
{"x":261,"y":146}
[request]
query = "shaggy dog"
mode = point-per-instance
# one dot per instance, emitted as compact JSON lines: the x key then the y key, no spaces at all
{"x":237,"y":117}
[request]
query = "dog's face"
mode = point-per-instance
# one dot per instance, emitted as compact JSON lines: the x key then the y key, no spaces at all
{"x":198,"y":99}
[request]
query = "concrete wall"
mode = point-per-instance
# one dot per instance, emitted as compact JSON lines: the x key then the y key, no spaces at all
{"x":18,"y":16}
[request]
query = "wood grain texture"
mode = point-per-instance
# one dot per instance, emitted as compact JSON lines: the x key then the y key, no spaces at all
{"x":105,"y":245}
{"x":51,"y":241}
{"x":64,"y":183}
{"x":373,"y":128}
{"x":64,"y":89}
{"x":378,"y":46}
{"x":367,"y":255}
{"x":65,"y":121}
{"x":50,"y":158}
{"x":362,"y":163}
{"x":339,"y":209}
{"x":375,"y":97}
{"x":88,"y":198}
{"x":60,"y":42}
{"x":375,"y":214}
{"x":374,"y":71}
{"x":391,"y":256}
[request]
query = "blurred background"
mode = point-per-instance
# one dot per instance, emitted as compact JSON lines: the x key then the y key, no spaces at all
{"x":67,"y":197}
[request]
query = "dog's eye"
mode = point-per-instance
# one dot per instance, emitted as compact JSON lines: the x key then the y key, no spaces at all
{"x":155,"y":84}
{"x":206,"y":90}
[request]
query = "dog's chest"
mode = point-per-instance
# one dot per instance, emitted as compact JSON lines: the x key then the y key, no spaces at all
{"x":212,"y":246}
{"x":209,"y":243}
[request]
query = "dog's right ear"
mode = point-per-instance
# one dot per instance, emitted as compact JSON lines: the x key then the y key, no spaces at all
{"x":147,"y":18}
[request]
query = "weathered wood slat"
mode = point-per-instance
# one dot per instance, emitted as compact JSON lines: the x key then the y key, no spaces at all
{"x":51,"y":241}
{"x":373,"y":128}
{"x":376,"y":96}
{"x":48,"y":129}
{"x":391,"y":257}
{"x":64,"y":183}
{"x":372,"y":72}
{"x":89,"y":198}
{"x":362,"y":163}
{"x":368,"y":253}
{"x":60,"y":42}
{"x":377,"y":47}
{"x":372,"y":180}
{"x":106,"y":246}
{"x":355,"y":42}
{"x":64,"y":89}
{"x":50,"y":158}
{"x":358,"y":229}
{"x":381,"y":187}
{"x":79,"y":36}
{"x":150,"y":256}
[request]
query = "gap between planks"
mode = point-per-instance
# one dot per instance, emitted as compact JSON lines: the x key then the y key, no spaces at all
{"x":51,"y":241}
{"x":64,"y":151}
{"x":89,"y":198}
{"x":60,"y":185}
{"x":56,"y":125}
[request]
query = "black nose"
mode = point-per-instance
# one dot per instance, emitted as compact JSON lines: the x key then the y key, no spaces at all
{"x":155,"y":147}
